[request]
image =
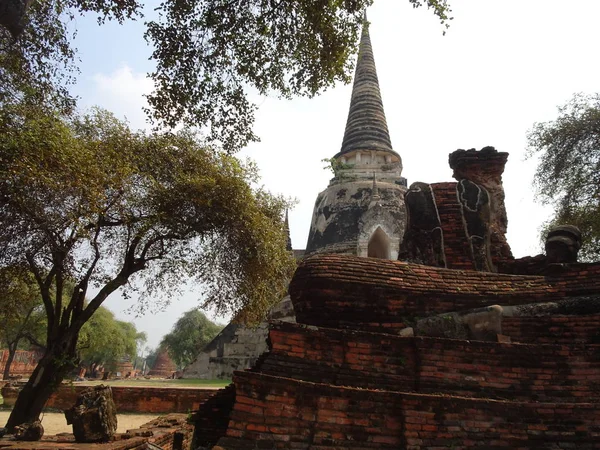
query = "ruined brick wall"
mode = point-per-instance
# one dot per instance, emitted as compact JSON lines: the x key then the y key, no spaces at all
{"x":465,"y":221}
{"x":283,"y":413}
{"x":553,"y":329}
{"x":134,"y":399}
{"x":23,"y":364}
{"x":265,"y":409}
{"x":456,"y":244}
{"x":431,"y":365}
{"x":343,"y":377}
{"x":338,"y":291}
{"x":485,"y":168}
{"x":211,"y":419}
{"x":140,"y":399}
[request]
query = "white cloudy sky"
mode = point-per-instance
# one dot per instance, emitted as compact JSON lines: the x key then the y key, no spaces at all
{"x":502,"y":65}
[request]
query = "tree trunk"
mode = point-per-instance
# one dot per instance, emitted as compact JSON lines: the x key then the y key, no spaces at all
{"x":55,"y":365}
{"x":12,"y":350}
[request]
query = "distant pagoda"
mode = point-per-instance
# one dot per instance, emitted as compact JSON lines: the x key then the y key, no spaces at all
{"x":164,"y":366}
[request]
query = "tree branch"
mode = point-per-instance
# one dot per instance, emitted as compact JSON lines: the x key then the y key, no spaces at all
{"x":44,"y":285}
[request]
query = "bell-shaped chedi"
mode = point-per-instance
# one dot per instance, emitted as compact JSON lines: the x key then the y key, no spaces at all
{"x":362,"y":210}
{"x":163,"y":366}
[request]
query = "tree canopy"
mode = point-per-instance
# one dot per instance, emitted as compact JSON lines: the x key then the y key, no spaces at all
{"x":208,"y":54}
{"x":86,"y":199}
{"x":190,"y":334}
{"x":568,"y":174}
{"x":208,"y":51}
{"x":37,"y":57}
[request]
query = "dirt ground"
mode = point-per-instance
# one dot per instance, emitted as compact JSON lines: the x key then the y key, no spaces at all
{"x":55,"y":422}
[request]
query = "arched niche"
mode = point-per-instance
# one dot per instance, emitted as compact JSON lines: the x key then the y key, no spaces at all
{"x":379,"y":245}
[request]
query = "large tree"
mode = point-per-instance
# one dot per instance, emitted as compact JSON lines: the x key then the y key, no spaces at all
{"x":207,"y":53}
{"x":88,"y":200}
{"x":568,"y":173}
{"x":190,"y":334}
{"x":22,"y":315}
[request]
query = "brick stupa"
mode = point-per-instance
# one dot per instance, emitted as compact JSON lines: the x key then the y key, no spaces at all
{"x":164,"y":366}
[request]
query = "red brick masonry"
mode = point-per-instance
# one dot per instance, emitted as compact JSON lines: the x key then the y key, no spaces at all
{"x":343,"y":379}
{"x":282,"y":413}
{"x":23,"y":364}
{"x":340,"y":291}
{"x":158,"y":400}
{"x":553,"y":373}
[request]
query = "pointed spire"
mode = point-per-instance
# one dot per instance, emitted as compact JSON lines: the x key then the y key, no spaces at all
{"x":366,"y":128}
{"x":286,"y":226}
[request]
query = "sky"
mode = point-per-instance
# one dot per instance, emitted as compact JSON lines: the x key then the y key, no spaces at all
{"x":502,"y":66}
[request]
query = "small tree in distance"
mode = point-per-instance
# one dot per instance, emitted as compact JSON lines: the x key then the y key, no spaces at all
{"x":88,"y":201}
{"x":568,"y":174}
{"x":190,"y":334}
{"x":104,"y":340}
{"x":22,"y":315}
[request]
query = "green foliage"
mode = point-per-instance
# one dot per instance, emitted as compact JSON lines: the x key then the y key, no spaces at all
{"x":568,"y":174}
{"x":209,"y":51}
{"x":37,"y":59}
{"x":21,"y":309}
{"x":106,"y":340}
{"x":86,"y":199}
{"x":22,"y":316}
{"x":336,"y":167}
{"x":207,"y":54}
{"x":189,"y":336}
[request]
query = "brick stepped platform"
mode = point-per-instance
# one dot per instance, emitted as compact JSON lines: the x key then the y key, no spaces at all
{"x":339,"y":291}
{"x":342,"y":378}
{"x":212,"y":417}
{"x":560,"y":329}
{"x":550,"y":373}
{"x":281,"y":413}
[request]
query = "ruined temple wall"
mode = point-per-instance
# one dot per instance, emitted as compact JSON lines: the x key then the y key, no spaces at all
{"x":460,"y":225}
{"x":24,"y":363}
{"x":559,"y":329}
{"x":128,"y":399}
{"x":283,"y":413}
{"x":428,"y":365}
{"x":457,"y":249}
{"x":340,"y":291}
{"x":236,"y":347}
{"x":485,"y":168}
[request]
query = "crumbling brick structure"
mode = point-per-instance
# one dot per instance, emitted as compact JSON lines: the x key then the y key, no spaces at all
{"x":520,"y":367}
{"x":344,"y":377}
{"x":458,"y":345}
